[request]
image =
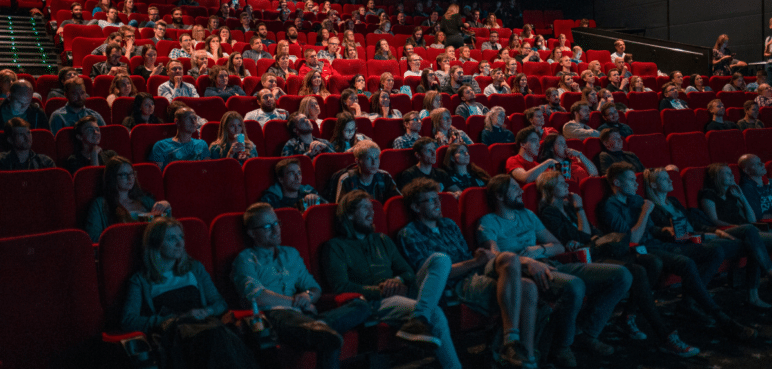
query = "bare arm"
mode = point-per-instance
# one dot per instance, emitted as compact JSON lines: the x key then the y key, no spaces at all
{"x":709,"y":207}
{"x":523,"y":176}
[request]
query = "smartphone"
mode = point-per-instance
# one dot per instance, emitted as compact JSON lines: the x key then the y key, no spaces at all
{"x":240,"y":138}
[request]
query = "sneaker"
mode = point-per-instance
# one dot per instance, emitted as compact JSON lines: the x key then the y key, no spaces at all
{"x":737,"y":331}
{"x":632,"y":329}
{"x":418,"y":332}
{"x":674,"y":345}
{"x":594,"y":345}
{"x":321,"y":337}
{"x":564,"y":357}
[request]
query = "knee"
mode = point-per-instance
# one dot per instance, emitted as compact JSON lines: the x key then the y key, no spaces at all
{"x":529,"y":291}
{"x":575,"y":290}
{"x":625,"y":278}
{"x":638,"y":272}
{"x":508,"y":263}
{"x":440,"y":262}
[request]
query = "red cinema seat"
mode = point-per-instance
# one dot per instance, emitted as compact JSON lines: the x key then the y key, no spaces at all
{"x":144,"y":136}
{"x":558,"y":119}
{"x":651,"y":149}
{"x":379,"y":67}
{"x":538,"y":69}
{"x":276,"y":135}
{"x":499,"y":153}
{"x":644,"y":69}
{"x":569,"y":98}
{"x":603,"y":56}
{"x":210,"y":108}
{"x":674,"y":121}
{"x":325,"y":165}
{"x":697,"y":99}
{"x":734,"y":114}
{"x":204,"y":189}
{"x":512,"y":103}
{"x":45,"y":83}
{"x":717,"y":83}
{"x":259,"y":175}
{"x":396,"y":161}
{"x":385,"y":131}
{"x":734,"y":99}
{"x":36,"y":201}
{"x":693,"y":178}
{"x":350,"y":67}
{"x":402,"y":102}
{"x":473,"y":204}
{"x":757,"y":142}
{"x":114,"y":138}
{"x":534,"y":100}
{"x":593,"y":190}
{"x":242,"y":104}
{"x":548,"y":81}
{"x":688,"y":149}
{"x":726,"y":146}
{"x":643,"y":100}
{"x":99,"y":105}
{"x":52,"y":299}
{"x":644,"y":121}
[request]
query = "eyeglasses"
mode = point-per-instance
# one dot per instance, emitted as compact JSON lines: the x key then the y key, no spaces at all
{"x":269,"y":226}
{"x":126,"y":175}
{"x":333,"y":43}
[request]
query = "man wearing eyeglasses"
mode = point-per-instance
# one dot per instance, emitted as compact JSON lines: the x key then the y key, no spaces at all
{"x":289,"y":190}
{"x":413,"y":65}
{"x":332,"y":52}
{"x":275,"y":278}
{"x":670,"y":98}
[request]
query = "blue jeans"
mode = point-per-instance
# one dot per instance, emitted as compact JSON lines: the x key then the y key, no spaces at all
{"x":603,"y":284}
{"x":430,"y":283}
{"x":749,"y":242}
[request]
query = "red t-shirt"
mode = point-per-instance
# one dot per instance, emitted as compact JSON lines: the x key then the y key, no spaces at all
{"x":518,"y":161}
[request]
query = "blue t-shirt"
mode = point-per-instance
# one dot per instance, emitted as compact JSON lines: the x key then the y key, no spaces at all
{"x":169,"y":150}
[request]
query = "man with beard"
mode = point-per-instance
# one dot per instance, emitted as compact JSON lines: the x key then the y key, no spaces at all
{"x":112,"y":19}
{"x":716,"y":109}
{"x":303,"y":141}
{"x":262,"y":31}
{"x":186,"y":48}
{"x":577,"y":127}
{"x":332,"y":52}
{"x":401,"y":19}
{"x":66,"y":116}
{"x":367,"y":175}
{"x":523,"y":166}
{"x":485,"y":280}
{"x":301,"y":25}
{"x":77,"y":17}
{"x":475,"y":22}
{"x":493,"y":42}
{"x":611,"y":120}
{"x":498,"y":84}
{"x":153,"y":15}
{"x":513,"y":228}
{"x":257,"y":50}
{"x":289,"y":190}
{"x":292,"y":35}
{"x":159,"y":32}
{"x":553,"y":103}
{"x":175,"y":86}
{"x":469,"y":106}
{"x":182,"y":146}
{"x":425,"y":150}
{"x":394,"y":291}
{"x":268,"y":110}
{"x":21,"y":156}
{"x":314,"y":64}
{"x":19,"y":104}
{"x":613,"y":142}
{"x":274,"y":278}
{"x":177,"y":20}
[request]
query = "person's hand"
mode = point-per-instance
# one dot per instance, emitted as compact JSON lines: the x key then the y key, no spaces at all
{"x":129,"y":44}
{"x":648,"y":206}
{"x":573,"y":245}
{"x":504,"y":84}
{"x":301,"y":300}
{"x":576,"y":200}
{"x":575,"y":86}
{"x":157,"y":70}
{"x":197,"y":313}
{"x":310,"y":200}
{"x":670,"y":231}
{"x":177,"y":82}
{"x":357,"y":108}
{"x":573,"y":153}
{"x":235,"y":149}
{"x":316,"y":147}
{"x":483,"y":255}
{"x":624,"y":82}
{"x":160,"y":208}
{"x":724,"y":235}
{"x":551,"y":163}
{"x":734,"y":190}
{"x":115,"y":70}
{"x":202,"y":68}
{"x":392,"y":287}
{"x":540,"y":273}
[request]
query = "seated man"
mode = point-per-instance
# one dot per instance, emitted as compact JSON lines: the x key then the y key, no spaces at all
{"x":303,"y":141}
{"x":389,"y":284}
{"x":513,"y":228}
{"x":611,"y":120}
{"x":159,"y":32}
{"x":289,"y":190}
{"x":553,"y":103}
{"x":112,"y":66}
{"x":332,"y":52}
{"x":313,"y":63}
{"x":613,"y":142}
{"x":66,"y":116}
{"x":268,"y":110}
{"x":454,"y":81}
{"x":19,"y":104}
{"x":565,"y":67}
{"x":619,"y":45}
{"x":616,"y":82}
{"x":292,"y":35}
{"x":433,"y":18}
{"x":21,"y":156}
{"x":475,"y":21}
{"x":112,"y":19}
{"x":175,"y":86}
{"x":716,"y":109}
{"x":64,"y":74}
{"x":275,"y":278}
{"x":77,"y":17}
{"x":153,"y":16}
{"x":425,"y":150}
{"x":670,"y":98}
{"x":367,"y":175}
{"x":577,"y":127}
{"x":186,"y":48}
{"x":411,"y":121}
{"x":485,"y":280}
{"x":523,"y":166}
{"x":620,"y":65}
{"x":493,"y":42}
{"x":182,"y":146}
{"x":626,"y":212}
{"x":269,"y":81}
{"x":257,"y":50}
{"x":469,"y":106}
{"x":199,"y":64}
{"x":761,"y":78}
{"x":756,"y":186}
{"x":751,"y":119}
{"x":262,"y":32}
{"x":177,"y":20}
{"x":498,"y":84}
{"x":465,"y":54}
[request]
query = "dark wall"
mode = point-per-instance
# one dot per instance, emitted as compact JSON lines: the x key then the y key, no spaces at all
{"x":697,"y":22}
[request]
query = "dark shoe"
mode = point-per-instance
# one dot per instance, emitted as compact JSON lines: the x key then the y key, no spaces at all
{"x":593,"y":345}
{"x":418,"y":332}
{"x":564,"y":357}
{"x":321,"y":337}
{"x":631,"y":329}
{"x":689,"y":310}
{"x":674,"y":345}
{"x":737,"y":331}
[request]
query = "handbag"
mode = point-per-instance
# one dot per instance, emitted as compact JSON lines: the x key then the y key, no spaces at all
{"x":611,"y":245}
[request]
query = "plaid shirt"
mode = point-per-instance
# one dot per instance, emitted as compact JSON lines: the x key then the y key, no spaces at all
{"x":262,"y":117}
{"x":548,"y":109}
{"x":168,"y":91}
{"x":417,"y":242}
{"x":405,"y":141}
{"x":178,"y":53}
{"x":381,"y":188}
{"x":298,"y":147}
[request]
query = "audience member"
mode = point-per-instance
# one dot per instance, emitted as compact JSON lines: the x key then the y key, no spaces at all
{"x":616,"y":82}
{"x":87,"y":152}
{"x":765,"y":96}
{"x":380,"y":106}
{"x":520,"y":84}
{"x":113,"y":65}
{"x":281,"y":66}
{"x":751,"y":119}
{"x":268,"y":110}
{"x":495,"y":130}
{"x":289,"y":191}
{"x":462,"y":171}
{"x":66,"y":116}
{"x":571,"y":163}
{"x":64,"y":74}
{"x":723,"y":59}
{"x":332,"y":52}
{"x":20,"y":156}
{"x":493,"y":42}
{"x":302,"y":141}
{"x":613,"y":142}
{"x":313,"y":84}
{"x":498,"y":83}
{"x":159,"y":32}
{"x":175,"y":86}
{"x":232,"y":140}
{"x":737,"y":83}
{"x":345,"y":136}
{"x":566,"y":84}
{"x":236,"y":67}
{"x":199,"y":64}
{"x":424,"y":150}
{"x":636,"y":85}
{"x":577,"y":127}
{"x":182,"y":146}
{"x":619,"y":45}
{"x":698,"y":84}
{"x":121,"y":86}
{"x":565,"y":67}
{"x":761,"y":78}
{"x":553,"y":103}
{"x":469,"y":106}
{"x":716,"y":110}
{"x":755,"y":186}
{"x":611,"y":120}
{"x":218,"y":84}
{"x":359,"y":85}
{"x":76,"y":11}
{"x":149,"y":67}
{"x":19,"y":104}
{"x":256,"y":51}
{"x":366,"y":175}
{"x":142,"y":111}
{"x":213,"y":47}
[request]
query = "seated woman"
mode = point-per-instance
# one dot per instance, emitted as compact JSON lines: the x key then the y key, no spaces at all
{"x":636,"y":85}
{"x":86,"y":143}
{"x":736,"y":84}
{"x":511,"y":68}
{"x":322,"y":37}
{"x":491,"y":22}
{"x":555,"y":56}
{"x":605,"y":96}
{"x":590,"y":96}
{"x":589,"y":80}
{"x":121,"y":86}
{"x":520,"y":85}
{"x":198,"y":34}
{"x":563,"y":43}
{"x":495,"y":130}
{"x":439,"y":41}
{"x":142,"y":111}
{"x":567,"y":84}
{"x":578,"y":166}
{"x":345,"y":135}
{"x":380,"y":106}
{"x":309,"y":107}
{"x":349,"y":103}
{"x":349,"y":38}
{"x":236,"y":67}
{"x":383,"y":51}
{"x":387,"y":83}
{"x":359,"y":85}
{"x":218,"y":84}
{"x":232,"y":140}
{"x":698,"y":84}
{"x":527,"y":32}
{"x":281,"y":66}
{"x":225,"y":36}
{"x":313,"y":84}
{"x":462,"y":171}
{"x":503,"y":56}
{"x":534,"y":116}
{"x":282,"y":47}
{"x":432,"y":100}
{"x":429,"y":82}
{"x":443,"y":67}
{"x":483,"y":69}
{"x":171,"y":293}
{"x":765,"y":95}
{"x":680,"y":224}
{"x":149,"y":67}
{"x":417,"y":38}
{"x":214,"y":23}
{"x":562,"y":213}
{"x":123,"y":199}
{"x":350,"y":52}
{"x":444,"y":132}
{"x":213,"y":49}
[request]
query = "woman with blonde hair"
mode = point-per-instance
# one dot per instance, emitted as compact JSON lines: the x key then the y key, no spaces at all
{"x":349,"y":38}
{"x":563,"y":43}
{"x":527,"y":32}
{"x":443,"y":130}
{"x":495,"y":130}
{"x":432,"y":100}
{"x":232,"y":140}
{"x":491,"y":22}
{"x":723,"y":59}
{"x":636,"y":85}
{"x":453,"y":26}
{"x":309,"y":107}
{"x":387,"y":83}
{"x":283,"y":47}
{"x":439,"y":41}
{"x":313,"y":84}
{"x":555,"y":56}
{"x":122,"y":86}
{"x":198,"y":34}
